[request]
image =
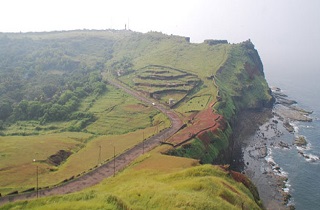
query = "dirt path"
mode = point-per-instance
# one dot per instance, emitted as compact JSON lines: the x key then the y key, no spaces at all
{"x":120,"y":162}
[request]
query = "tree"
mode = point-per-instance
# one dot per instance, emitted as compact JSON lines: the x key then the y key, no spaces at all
{"x":49,"y":90}
{"x":5,"y":110}
{"x":34,"y":110}
{"x":1,"y":125}
{"x":57,"y":112}
{"x":21,"y":110}
{"x":99,"y":88}
{"x":65,"y":97}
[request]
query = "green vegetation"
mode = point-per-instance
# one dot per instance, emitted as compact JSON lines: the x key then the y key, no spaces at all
{"x":45,"y":77}
{"x":51,"y":84}
{"x":113,"y":111}
{"x":18,"y":152}
{"x":53,"y":97}
{"x":46,"y":80}
{"x":241,"y":85}
{"x":183,"y":185}
{"x":208,"y":152}
{"x":162,"y":83}
{"x":171,"y":52}
{"x":241,"y":82}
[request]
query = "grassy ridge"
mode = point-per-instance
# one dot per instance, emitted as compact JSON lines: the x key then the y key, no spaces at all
{"x":176,"y":184}
{"x":241,"y":85}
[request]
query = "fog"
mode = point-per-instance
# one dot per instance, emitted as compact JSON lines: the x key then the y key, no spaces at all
{"x":285,"y":32}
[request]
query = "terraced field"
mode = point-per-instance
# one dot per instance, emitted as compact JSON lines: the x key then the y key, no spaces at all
{"x":166,"y":84}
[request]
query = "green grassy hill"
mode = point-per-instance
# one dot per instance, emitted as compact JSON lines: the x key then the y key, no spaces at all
{"x":54,"y":94}
{"x":156,"y":181}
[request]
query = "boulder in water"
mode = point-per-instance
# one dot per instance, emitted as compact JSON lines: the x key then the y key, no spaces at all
{"x":301,"y":141}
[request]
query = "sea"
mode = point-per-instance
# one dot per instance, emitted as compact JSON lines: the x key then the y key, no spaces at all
{"x":302,"y":84}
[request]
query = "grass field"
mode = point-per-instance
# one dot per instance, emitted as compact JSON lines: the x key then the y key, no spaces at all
{"x":122,"y":122}
{"x":200,"y":59}
{"x":156,"y":181}
{"x":196,"y":103}
{"x":17,"y":154}
{"x":161,"y":81}
{"x":115,"y":109}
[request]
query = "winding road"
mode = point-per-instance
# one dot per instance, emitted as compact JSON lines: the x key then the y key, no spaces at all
{"x":120,"y":162}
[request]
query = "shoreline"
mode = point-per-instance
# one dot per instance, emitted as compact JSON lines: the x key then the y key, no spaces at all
{"x":253,"y":134}
{"x":256,"y":135}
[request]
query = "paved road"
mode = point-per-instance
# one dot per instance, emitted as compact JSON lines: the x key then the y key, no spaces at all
{"x":120,"y":162}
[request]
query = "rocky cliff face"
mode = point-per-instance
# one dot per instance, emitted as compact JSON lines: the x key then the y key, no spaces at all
{"x":241,"y":82}
{"x":242,"y":86}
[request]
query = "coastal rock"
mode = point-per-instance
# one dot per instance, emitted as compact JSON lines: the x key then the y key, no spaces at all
{"x":286,"y":112}
{"x":309,"y":157}
{"x":286,"y":109}
{"x":301,"y":141}
{"x":284,"y":145}
{"x":301,"y":110}
{"x":284,"y":101}
{"x":275,"y":89}
{"x":288,"y":126}
{"x":259,"y":152}
{"x":263,"y":151}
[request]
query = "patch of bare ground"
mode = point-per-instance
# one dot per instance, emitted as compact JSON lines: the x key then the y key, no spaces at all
{"x":197,"y":126}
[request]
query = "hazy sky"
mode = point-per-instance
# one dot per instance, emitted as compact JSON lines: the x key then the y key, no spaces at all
{"x":280,"y":29}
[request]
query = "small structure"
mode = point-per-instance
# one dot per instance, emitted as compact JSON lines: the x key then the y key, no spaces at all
{"x":215,"y":41}
{"x":171,"y":101}
{"x":119,"y":73}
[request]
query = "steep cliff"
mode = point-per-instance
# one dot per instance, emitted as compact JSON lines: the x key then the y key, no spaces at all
{"x":241,"y":82}
{"x":241,"y":86}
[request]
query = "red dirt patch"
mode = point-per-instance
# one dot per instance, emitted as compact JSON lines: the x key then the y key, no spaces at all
{"x":198,"y":126}
{"x":227,"y":199}
{"x":230,"y":188}
{"x":241,"y":178}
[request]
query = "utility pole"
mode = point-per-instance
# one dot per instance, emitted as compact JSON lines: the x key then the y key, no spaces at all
{"x":37,"y":177}
{"x":99,"y":158}
{"x":114,"y":161}
{"x":37,"y":181}
{"x":142,"y":142}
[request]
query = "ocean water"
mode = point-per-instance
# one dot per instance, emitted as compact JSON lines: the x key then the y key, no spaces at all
{"x":302,"y":85}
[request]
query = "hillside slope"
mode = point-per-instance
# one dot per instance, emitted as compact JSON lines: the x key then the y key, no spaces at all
{"x":58,"y":85}
{"x":156,"y":181}
{"x":241,"y":86}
